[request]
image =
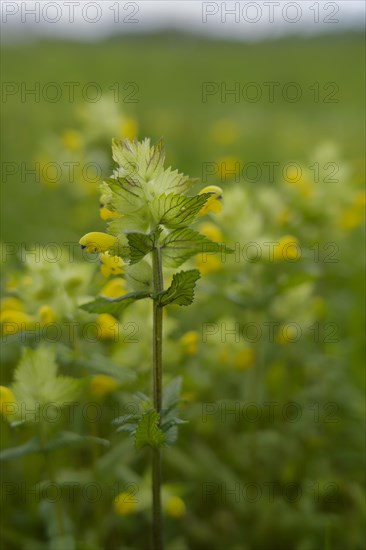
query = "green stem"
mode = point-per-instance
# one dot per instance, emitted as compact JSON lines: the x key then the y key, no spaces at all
{"x":157,"y":392}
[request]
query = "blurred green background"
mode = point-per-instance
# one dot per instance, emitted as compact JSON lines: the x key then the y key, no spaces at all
{"x":320,"y":452}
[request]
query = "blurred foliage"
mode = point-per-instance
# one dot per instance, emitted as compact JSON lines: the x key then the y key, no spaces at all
{"x":310,"y":437}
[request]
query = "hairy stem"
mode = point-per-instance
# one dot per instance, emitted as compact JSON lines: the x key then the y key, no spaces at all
{"x":157,"y":392}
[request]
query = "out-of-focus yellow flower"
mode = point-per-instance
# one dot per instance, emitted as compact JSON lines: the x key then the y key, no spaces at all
{"x":244,"y":359}
{"x":225,"y":131}
{"x":354,"y":216}
{"x":124,"y":504}
{"x":6,"y":400}
{"x":175,"y":507}
{"x":211,"y":231}
{"x":110,"y":265}
{"x":210,"y":265}
{"x":351,"y":219}
{"x":13,"y":321}
{"x":12,"y":303}
{"x":97,"y":242}
{"x":107,"y":327}
{"x":114,"y":288}
{"x":129,"y":128}
{"x":102,"y":385}
{"x":189,"y":341}
{"x":287,"y":248}
{"x":304,"y":185}
{"x":72,"y":140}
{"x":287,"y":334}
{"x":214,"y":203}
{"x":47,"y":314}
{"x":229,"y":168}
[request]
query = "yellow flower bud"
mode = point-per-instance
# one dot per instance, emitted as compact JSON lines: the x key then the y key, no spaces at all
{"x":189,"y":341}
{"x":13,"y":321}
{"x":214,"y":203}
{"x":111,"y":265}
{"x":124,"y":504}
{"x":102,"y":385}
{"x":286,"y":249}
{"x":107,"y":327}
{"x":107,"y":214}
{"x":97,"y":242}
{"x":6,"y":400}
{"x":114,"y":288}
{"x":175,"y":507}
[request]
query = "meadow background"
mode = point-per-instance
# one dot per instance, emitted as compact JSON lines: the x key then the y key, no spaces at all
{"x":314,"y":457}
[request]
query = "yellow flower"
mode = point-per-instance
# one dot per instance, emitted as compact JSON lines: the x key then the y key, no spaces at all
{"x":124,"y":505}
{"x":97,"y":242}
{"x":210,"y":265}
{"x":212,"y":232}
{"x":107,"y":214}
{"x":72,"y":140}
{"x":10,"y":302}
{"x":129,"y":128}
{"x":111,"y":265}
{"x":214,"y":203}
{"x":287,"y":248}
{"x":6,"y":398}
{"x":175,"y":507}
{"x":102,"y":385}
{"x":189,"y":341}
{"x":225,"y":131}
{"x":13,"y":321}
{"x":47,"y":314}
{"x":114,"y":288}
{"x":107,"y":327}
{"x":244,"y":359}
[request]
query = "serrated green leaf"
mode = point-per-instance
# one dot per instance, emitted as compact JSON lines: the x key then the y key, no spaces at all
{"x":181,"y":291}
{"x":139,"y":157}
{"x":114,"y":306}
{"x":59,"y":441}
{"x":171,"y":181}
{"x":182,"y":244}
{"x":36,"y":381}
{"x":175,"y":211}
{"x":148,"y":432}
{"x":141,"y":244}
